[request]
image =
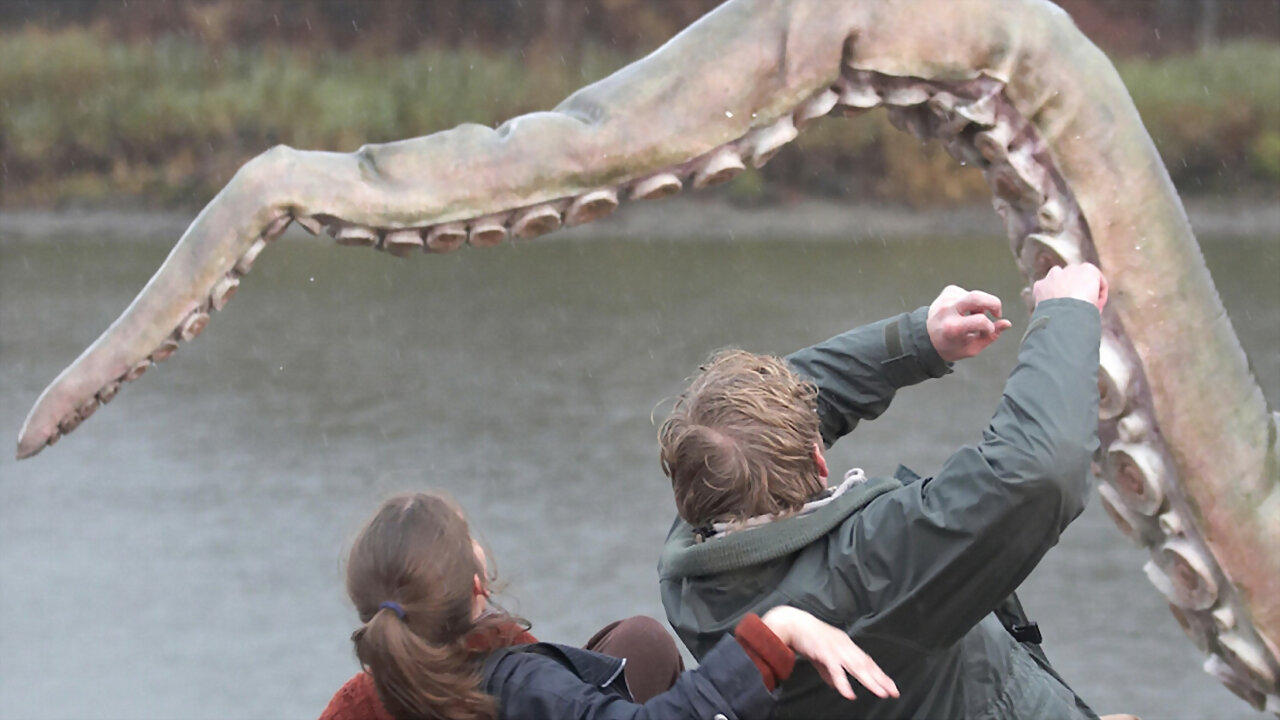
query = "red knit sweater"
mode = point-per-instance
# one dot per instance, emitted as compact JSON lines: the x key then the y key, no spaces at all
{"x":358,"y":699}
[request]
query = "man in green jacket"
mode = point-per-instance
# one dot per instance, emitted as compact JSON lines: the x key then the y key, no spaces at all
{"x":920,"y":571}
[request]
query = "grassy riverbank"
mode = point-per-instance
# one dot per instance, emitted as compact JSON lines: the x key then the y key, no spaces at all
{"x":89,"y":120}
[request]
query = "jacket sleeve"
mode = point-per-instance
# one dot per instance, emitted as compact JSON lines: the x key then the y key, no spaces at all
{"x":858,"y":372}
{"x":924,"y":563}
{"x":726,"y":683}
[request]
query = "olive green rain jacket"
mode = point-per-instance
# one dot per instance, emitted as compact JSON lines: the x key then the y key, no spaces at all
{"x":918,"y":571}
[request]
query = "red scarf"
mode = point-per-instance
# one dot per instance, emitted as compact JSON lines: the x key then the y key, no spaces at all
{"x":358,"y":699}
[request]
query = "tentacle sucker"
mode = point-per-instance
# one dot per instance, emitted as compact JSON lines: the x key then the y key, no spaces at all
{"x":402,"y":243}
{"x":245,"y":263}
{"x":1113,"y":380}
{"x":856,"y":97}
{"x":108,"y":392}
{"x":993,"y":143}
{"x":656,"y":186}
{"x":816,"y":107}
{"x":1235,"y":682}
{"x":136,"y":371}
{"x":446,"y":237}
{"x":1171,"y":524}
{"x":591,"y":206}
{"x":1134,"y":526}
{"x":162,"y":353}
{"x":535,"y":221}
{"x":1133,"y":427}
{"x":488,"y":231}
{"x":900,"y":91}
{"x":222,"y":292}
{"x":720,"y":167}
{"x":1136,"y":471}
{"x":310,"y":224}
{"x":947,"y":122}
{"x":87,"y":408}
{"x":764,"y":143}
{"x":1042,"y":252}
{"x":277,"y":227}
{"x":1051,"y":215}
{"x":980,"y":112}
{"x":355,"y":236}
{"x":193,"y":325}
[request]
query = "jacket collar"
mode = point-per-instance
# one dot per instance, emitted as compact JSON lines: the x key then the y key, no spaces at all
{"x":684,"y":556}
{"x":851,"y":478}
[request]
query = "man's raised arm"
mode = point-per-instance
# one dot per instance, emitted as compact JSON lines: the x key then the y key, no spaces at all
{"x":934,"y":557}
{"x":858,"y":372}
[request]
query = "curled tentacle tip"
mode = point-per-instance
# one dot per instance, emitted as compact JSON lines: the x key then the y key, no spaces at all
{"x":31,"y":442}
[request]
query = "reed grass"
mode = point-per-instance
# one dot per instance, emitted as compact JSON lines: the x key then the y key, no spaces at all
{"x":88,"y":119}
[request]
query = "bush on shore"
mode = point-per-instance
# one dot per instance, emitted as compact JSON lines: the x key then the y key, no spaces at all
{"x":88,"y":119}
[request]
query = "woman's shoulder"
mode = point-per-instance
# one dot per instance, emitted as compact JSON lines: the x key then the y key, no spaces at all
{"x":357,"y":699}
{"x":552,"y":662}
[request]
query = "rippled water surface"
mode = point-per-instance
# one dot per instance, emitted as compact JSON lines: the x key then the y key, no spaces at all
{"x":179,"y":555}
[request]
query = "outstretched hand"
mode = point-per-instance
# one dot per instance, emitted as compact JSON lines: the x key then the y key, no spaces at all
{"x":962,"y":323}
{"x":831,"y":651}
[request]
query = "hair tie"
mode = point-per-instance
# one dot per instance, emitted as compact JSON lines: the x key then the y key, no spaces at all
{"x":393,"y":607}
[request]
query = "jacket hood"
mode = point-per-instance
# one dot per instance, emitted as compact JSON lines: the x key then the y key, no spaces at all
{"x":684,"y":556}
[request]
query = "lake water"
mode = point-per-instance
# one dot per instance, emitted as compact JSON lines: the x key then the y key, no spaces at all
{"x":180,"y":554}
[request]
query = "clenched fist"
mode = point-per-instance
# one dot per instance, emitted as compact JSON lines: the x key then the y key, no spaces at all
{"x":1084,"y":282}
{"x":962,"y":323}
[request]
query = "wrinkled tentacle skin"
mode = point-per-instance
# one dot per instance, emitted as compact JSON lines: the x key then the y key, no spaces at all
{"x":1189,"y":449}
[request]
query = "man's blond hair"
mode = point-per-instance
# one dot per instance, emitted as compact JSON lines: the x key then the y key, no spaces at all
{"x":739,"y":441}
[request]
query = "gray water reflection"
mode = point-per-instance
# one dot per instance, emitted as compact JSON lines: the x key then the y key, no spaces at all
{"x":179,"y":556}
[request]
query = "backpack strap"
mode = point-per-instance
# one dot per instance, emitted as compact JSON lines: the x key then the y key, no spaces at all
{"x":1024,"y":631}
{"x":1015,"y":621}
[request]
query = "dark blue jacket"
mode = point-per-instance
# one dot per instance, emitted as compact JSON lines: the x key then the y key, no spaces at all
{"x":545,"y":681}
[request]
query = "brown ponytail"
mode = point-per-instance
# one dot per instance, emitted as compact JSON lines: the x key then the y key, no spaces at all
{"x":417,"y":554}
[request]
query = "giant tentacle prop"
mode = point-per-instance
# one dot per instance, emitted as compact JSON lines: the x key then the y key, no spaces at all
{"x":1010,"y":86}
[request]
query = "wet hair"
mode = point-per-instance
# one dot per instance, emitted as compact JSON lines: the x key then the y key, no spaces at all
{"x":739,"y":441}
{"x":416,"y":555}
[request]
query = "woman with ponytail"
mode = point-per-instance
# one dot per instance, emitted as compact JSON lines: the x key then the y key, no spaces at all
{"x":434,"y":647}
